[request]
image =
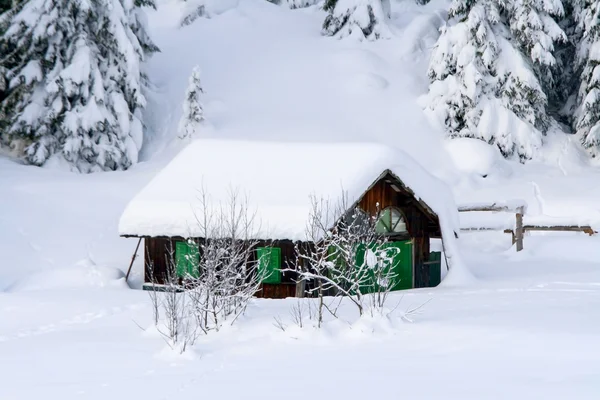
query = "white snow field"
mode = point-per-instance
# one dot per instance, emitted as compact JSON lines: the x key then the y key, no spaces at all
{"x":528,"y":327}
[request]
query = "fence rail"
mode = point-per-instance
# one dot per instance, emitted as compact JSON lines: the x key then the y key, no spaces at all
{"x":518,"y":207}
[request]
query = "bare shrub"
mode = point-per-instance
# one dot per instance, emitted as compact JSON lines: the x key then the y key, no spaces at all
{"x":346,"y":258}
{"x":225,"y":277}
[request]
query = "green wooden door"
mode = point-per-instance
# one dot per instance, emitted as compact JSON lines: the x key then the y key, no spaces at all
{"x":402,"y":264}
{"x":269,"y":264}
{"x":397,"y":266}
{"x":187,"y":259}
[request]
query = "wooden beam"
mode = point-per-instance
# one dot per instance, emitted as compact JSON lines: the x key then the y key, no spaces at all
{"x":519,"y":229}
{"x":475,"y":229}
{"x":512,"y":234}
{"x":133,"y":259}
{"x":561,"y":228}
{"x":494,"y":207}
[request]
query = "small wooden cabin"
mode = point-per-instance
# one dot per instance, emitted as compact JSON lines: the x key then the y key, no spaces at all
{"x":280,"y":190}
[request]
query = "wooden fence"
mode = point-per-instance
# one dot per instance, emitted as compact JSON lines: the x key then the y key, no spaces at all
{"x":519,"y":208}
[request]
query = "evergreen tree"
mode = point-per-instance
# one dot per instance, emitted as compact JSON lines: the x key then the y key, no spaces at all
{"x":587,"y":116}
{"x":533,"y":26}
{"x":293,"y":4}
{"x":562,"y":97}
{"x":193,"y":9}
{"x":482,"y":83}
{"x":367,"y":18}
{"x":193,"y":113}
{"x":5,"y":5}
{"x":74,"y":81}
{"x":7,"y":8}
{"x":300,"y":3}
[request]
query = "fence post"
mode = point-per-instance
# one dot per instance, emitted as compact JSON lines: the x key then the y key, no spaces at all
{"x":519,"y":228}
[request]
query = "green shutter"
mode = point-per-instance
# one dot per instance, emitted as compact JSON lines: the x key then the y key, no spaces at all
{"x":269,"y":264}
{"x":186,"y":259}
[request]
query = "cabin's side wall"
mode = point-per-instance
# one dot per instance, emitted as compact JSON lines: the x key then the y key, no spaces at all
{"x":157,"y":254}
{"x":156,"y":259}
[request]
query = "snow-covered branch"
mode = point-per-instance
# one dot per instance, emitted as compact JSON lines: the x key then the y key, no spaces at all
{"x":349,"y":260}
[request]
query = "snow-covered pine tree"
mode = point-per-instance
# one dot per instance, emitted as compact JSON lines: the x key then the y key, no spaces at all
{"x":563,"y":94}
{"x":481,"y":85}
{"x":139,"y":25}
{"x":7,"y":10}
{"x":75,"y":81}
{"x":587,"y":116}
{"x":366,"y":18}
{"x":533,"y":26}
{"x":193,"y":113}
{"x":293,"y":4}
{"x":193,"y":9}
{"x":5,"y":5}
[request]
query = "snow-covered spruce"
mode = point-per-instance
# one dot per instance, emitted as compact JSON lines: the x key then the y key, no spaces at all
{"x":193,"y":113}
{"x":587,"y":116}
{"x":293,"y":4}
{"x":365,"y":18}
{"x":300,"y":3}
{"x":482,"y":83}
{"x":533,"y":26}
{"x":192,"y":11}
{"x":5,"y":5}
{"x":74,"y":81}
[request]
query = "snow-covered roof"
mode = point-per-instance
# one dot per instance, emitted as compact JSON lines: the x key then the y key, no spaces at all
{"x":278,"y":179}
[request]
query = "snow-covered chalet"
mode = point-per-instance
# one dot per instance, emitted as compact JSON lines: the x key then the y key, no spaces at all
{"x":279,"y":183}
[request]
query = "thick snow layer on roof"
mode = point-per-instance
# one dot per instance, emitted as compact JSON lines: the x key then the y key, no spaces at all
{"x":278,"y":180}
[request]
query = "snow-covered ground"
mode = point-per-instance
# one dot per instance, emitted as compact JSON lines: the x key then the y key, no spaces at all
{"x":528,"y":328}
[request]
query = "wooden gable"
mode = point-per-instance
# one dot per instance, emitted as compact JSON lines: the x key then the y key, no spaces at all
{"x":389,"y":191}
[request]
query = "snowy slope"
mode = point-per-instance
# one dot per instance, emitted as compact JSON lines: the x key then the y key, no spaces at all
{"x":269,"y":74}
{"x":53,"y":220}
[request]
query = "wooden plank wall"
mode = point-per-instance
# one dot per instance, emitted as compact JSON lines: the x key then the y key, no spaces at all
{"x":156,"y":255}
{"x":382,"y":194}
{"x":271,"y":291}
{"x":156,"y":258}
